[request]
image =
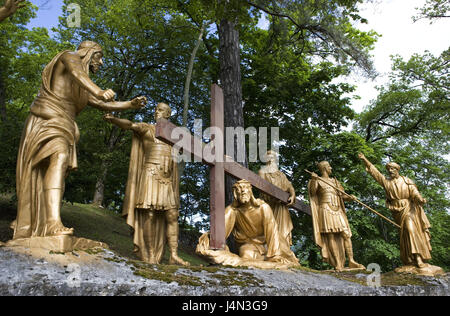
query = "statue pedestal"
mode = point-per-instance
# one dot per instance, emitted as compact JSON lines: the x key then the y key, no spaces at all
{"x":428,"y":270}
{"x":56,"y":243}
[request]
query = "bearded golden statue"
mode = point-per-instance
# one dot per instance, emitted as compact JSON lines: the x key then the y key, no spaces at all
{"x":152,"y":194}
{"x":331,"y":228}
{"x":48,"y":145}
{"x":405,"y":202}
{"x":255,"y":231}
{"x":270,"y":173}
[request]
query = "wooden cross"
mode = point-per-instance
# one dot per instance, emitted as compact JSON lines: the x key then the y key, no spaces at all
{"x":218,"y":169}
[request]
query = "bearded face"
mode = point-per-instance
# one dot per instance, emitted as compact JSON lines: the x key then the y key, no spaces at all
{"x":96,"y":62}
{"x":243,"y":193}
{"x":393,"y":172}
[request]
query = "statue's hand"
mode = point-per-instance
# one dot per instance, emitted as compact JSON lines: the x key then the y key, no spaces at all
{"x":106,"y":95}
{"x":291,"y":200}
{"x":314,"y":175}
{"x":354,"y":198}
{"x":108,"y":117}
{"x":138,"y":102}
{"x":361,"y":156}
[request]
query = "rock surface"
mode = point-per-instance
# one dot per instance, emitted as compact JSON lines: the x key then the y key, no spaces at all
{"x":32,"y":272}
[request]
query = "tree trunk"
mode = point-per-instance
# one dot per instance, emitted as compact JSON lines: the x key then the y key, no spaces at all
{"x":99,"y":194}
{"x":230,"y":77}
{"x":3,"y":115}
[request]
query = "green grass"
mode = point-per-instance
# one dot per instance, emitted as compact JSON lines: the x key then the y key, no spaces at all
{"x":99,"y":224}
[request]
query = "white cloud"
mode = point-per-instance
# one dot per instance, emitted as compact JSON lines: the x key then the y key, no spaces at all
{"x":400,"y":35}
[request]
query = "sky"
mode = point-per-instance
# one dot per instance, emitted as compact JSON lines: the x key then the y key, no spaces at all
{"x":390,"y":18}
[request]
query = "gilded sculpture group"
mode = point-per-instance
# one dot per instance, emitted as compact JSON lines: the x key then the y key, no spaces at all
{"x":262,"y":228}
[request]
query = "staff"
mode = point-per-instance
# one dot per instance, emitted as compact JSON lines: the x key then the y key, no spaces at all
{"x":366,"y":206}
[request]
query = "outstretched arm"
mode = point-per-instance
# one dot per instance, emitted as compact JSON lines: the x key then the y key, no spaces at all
{"x":72,"y":62}
{"x":113,"y":106}
{"x":123,"y":123}
{"x":9,"y":8}
{"x":372,"y":170}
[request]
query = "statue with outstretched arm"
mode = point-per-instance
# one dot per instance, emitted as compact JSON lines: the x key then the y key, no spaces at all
{"x":48,"y":145}
{"x":152,"y":194}
{"x":405,"y":202}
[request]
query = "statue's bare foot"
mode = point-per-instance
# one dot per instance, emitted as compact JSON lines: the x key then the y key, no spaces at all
{"x":420,"y":263}
{"x":151,"y":260}
{"x":58,"y":229}
{"x":355,"y":265}
{"x":63,"y":231}
{"x":174,"y":259}
{"x":338,"y":269}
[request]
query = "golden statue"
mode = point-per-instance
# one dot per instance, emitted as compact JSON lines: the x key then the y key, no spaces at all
{"x":48,"y":144}
{"x":255,"y":231}
{"x":331,"y":228}
{"x":280,"y":210}
{"x":152,"y":194}
{"x":9,"y":8}
{"x":406,"y":204}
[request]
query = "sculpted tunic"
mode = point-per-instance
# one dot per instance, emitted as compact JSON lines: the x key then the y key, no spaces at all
{"x":152,"y":185}
{"x":331,"y":215}
{"x":280,"y":210}
{"x":330,"y":223}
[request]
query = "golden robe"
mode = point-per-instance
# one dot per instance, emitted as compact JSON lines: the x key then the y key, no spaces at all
{"x":257,"y":237}
{"x":49,"y":129}
{"x":401,"y":198}
{"x":152,"y":185}
{"x":280,"y":210}
{"x":329,"y":220}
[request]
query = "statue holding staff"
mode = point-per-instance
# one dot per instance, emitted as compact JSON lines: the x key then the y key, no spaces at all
{"x":406,"y":204}
{"x":331,"y":228}
{"x":48,"y":145}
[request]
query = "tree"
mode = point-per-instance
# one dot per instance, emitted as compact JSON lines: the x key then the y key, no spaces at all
{"x":409,"y":123}
{"x":323,"y":28}
{"x":23,"y":56}
{"x":433,"y":10}
{"x":151,"y":62}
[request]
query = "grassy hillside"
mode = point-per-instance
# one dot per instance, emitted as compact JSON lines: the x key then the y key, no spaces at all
{"x":99,"y":224}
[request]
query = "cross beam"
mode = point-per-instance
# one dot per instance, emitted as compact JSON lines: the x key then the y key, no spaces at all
{"x":218,"y":169}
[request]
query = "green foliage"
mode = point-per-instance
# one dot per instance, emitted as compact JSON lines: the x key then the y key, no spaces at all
{"x":288,"y":81}
{"x":434,"y":9}
{"x":409,"y":123}
{"x":23,"y":55}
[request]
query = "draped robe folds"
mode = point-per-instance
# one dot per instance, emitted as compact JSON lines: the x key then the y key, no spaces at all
{"x":280,"y":210}
{"x":49,"y":129}
{"x":145,"y":193}
{"x":329,"y":221}
{"x":255,"y":230}
{"x":402,"y":198}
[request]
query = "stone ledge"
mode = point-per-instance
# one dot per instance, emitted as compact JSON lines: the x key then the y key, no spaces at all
{"x":61,"y":244}
{"x":107,"y":274}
